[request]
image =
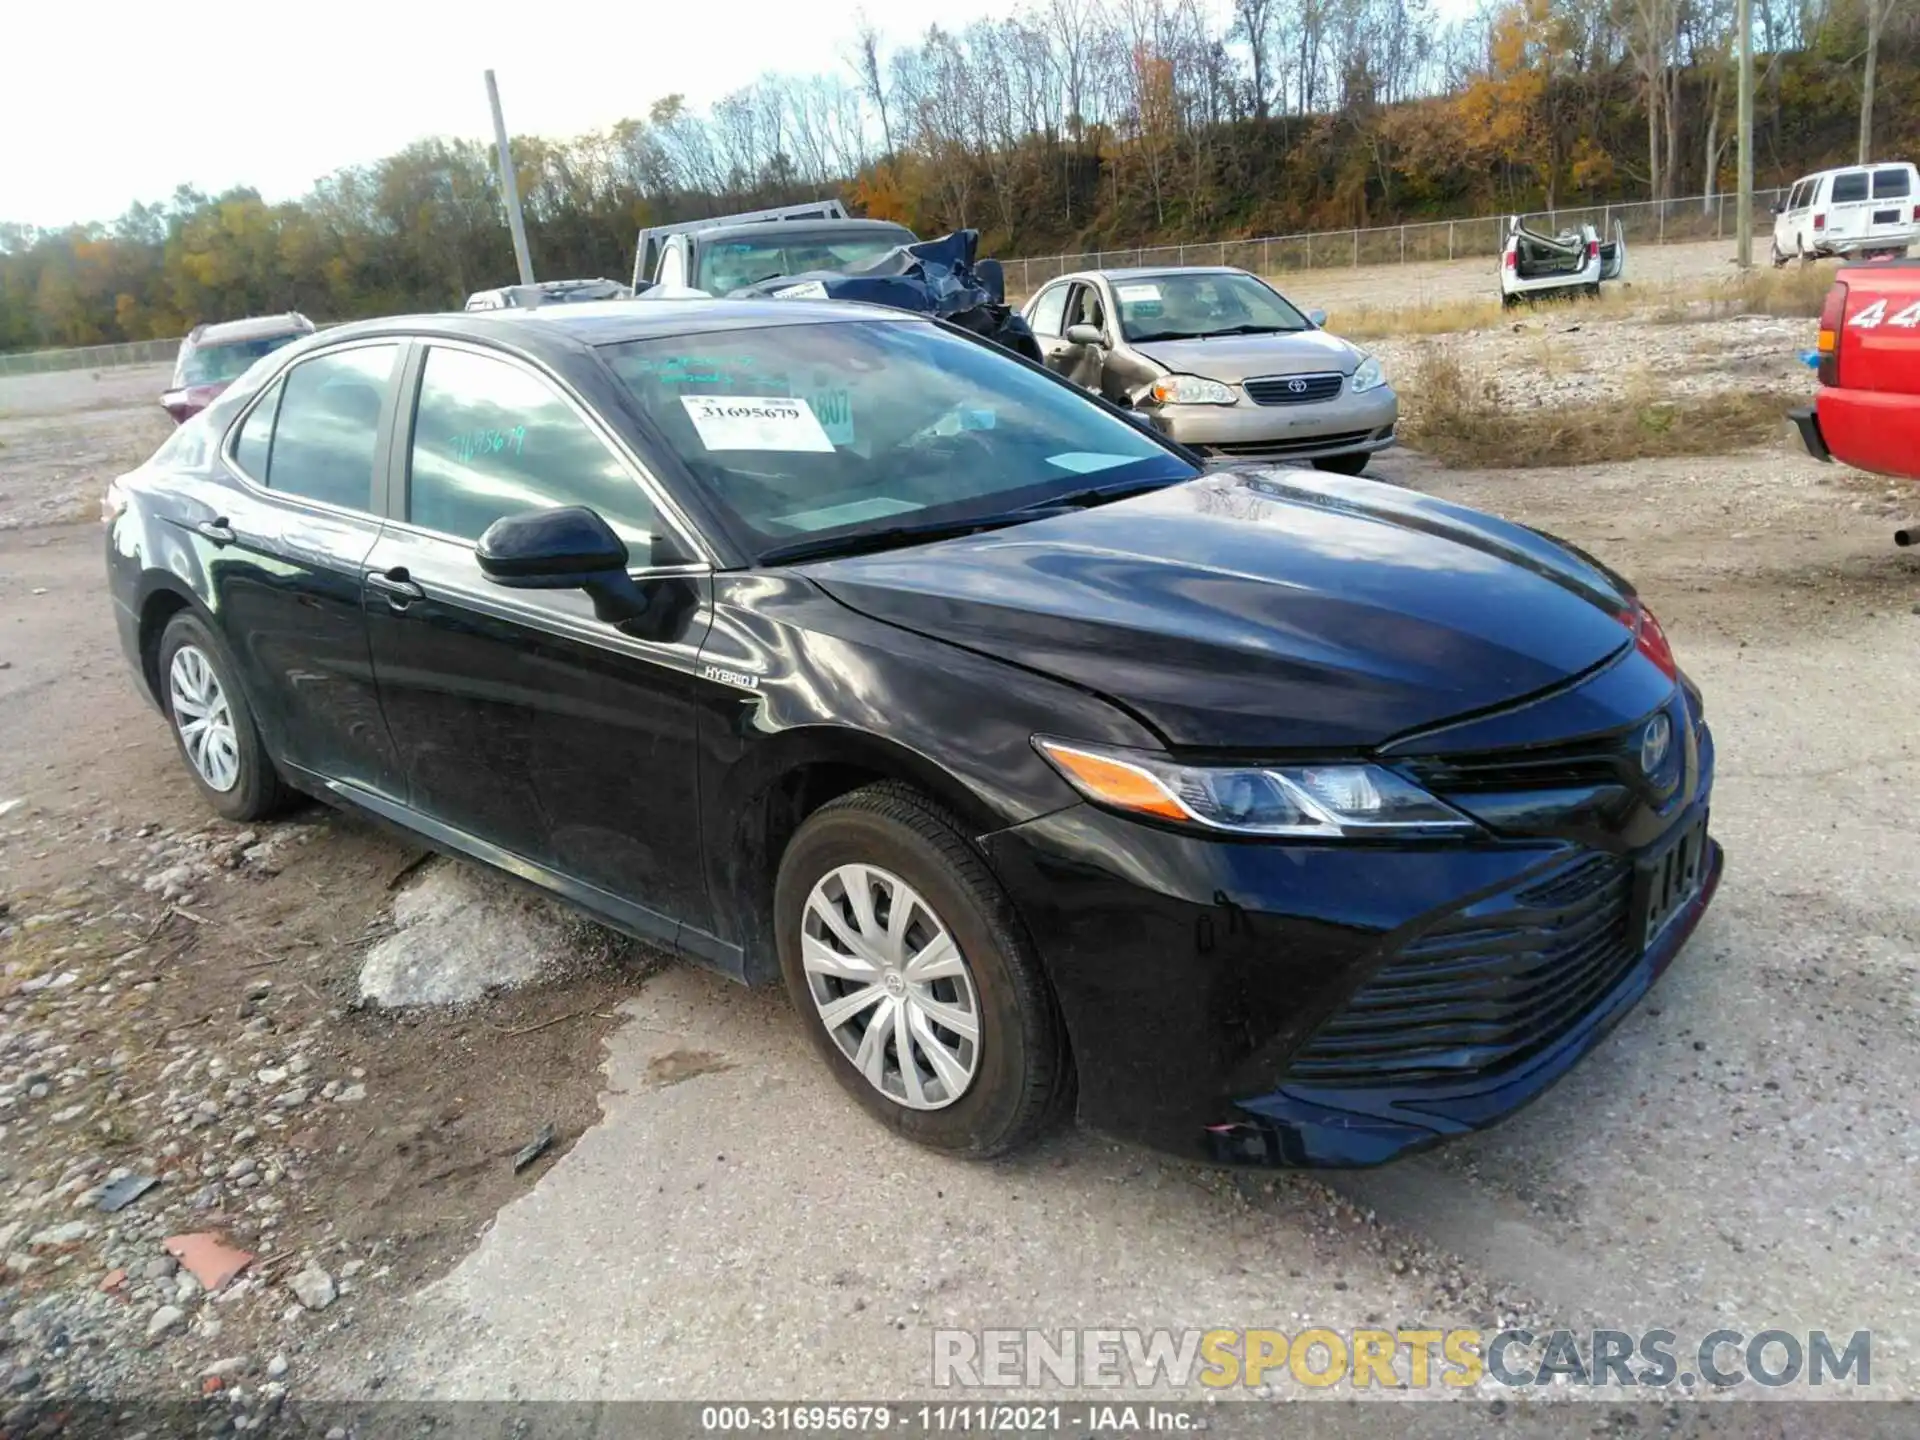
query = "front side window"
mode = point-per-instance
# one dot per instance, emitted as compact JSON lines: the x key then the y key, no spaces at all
{"x":1849,"y":185}
{"x":1086,"y":308}
{"x":1181,"y":305}
{"x":327,"y":427}
{"x":1050,"y":311}
{"x":818,"y":431}
{"x":491,"y":438}
{"x":1894,"y":183}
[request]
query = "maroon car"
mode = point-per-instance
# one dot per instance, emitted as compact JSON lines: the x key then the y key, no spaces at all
{"x":212,"y":357}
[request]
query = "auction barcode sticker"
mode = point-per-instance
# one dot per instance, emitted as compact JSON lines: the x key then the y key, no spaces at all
{"x":755,"y":422}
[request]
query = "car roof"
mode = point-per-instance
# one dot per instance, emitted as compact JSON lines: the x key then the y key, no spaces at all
{"x":253,"y":327}
{"x":1142,"y":272}
{"x":801,"y":229}
{"x":615,"y":322}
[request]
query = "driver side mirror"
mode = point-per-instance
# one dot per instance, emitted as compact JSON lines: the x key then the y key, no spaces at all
{"x":570,"y":548}
{"x":1317,"y":319}
{"x":1085,"y":335}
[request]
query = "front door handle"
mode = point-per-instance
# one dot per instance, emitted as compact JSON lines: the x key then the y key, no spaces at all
{"x":396,"y":586}
{"x":218,"y":531}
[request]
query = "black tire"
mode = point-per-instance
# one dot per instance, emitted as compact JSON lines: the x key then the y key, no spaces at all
{"x":258,"y":792}
{"x":1780,"y":257}
{"x":1343,"y":464}
{"x":1023,"y":1075}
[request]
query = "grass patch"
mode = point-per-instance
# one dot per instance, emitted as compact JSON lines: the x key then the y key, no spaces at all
{"x":1460,"y":420}
{"x":1796,"y":292}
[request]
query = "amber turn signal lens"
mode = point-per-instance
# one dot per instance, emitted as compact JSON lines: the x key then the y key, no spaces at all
{"x":1114,"y":783}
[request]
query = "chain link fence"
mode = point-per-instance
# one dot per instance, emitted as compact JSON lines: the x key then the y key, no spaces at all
{"x":1648,"y":222}
{"x":91,"y":357}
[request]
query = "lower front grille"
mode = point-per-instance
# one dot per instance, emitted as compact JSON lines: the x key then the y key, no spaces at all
{"x":1292,"y":445}
{"x":1487,"y":989}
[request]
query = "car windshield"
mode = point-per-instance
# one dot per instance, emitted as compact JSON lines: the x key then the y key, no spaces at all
{"x":728,"y":265}
{"x":859,"y":428}
{"x":1194,"y":304}
{"x":227,"y":361}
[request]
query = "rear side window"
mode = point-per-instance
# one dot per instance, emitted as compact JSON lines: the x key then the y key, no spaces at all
{"x":327,"y":427}
{"x":1892,"y":184}
{"x":1049,"y":316}
{"x":491,"y":438}
{"x":1849,"y":185}
{"x":255,"y":441}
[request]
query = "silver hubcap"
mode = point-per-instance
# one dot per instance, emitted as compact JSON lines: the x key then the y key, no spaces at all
{"x":891,"y":986}
{"x":206,"y":723}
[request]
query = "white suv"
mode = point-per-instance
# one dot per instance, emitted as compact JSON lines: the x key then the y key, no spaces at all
{"x":1862,"y":210}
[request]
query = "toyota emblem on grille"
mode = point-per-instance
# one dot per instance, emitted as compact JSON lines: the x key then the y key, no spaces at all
{"x":1298,"y":387}
{"x":1655,"y":741}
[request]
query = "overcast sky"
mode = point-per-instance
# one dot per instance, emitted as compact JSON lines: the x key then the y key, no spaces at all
{"x":104,"y":102}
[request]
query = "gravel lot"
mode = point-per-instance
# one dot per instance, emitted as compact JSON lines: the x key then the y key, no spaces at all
{"x":182,"y":1000}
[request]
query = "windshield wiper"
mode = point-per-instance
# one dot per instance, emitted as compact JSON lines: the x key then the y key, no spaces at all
{"x":1257,"y":330}
{"x":887,"y":537}
{"x":1094,"y":495}
{"x":1153,"y":335}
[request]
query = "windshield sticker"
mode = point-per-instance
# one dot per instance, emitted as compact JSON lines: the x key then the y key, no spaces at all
{"x":805,"y":290}
{"x":1085,"y":462}
{"x":851,"y":513}
{"x":755,"y":422}
{"x":1133,"y":294}
{"x":834,"y":410}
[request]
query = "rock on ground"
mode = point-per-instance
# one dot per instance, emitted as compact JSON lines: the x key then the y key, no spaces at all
{"x":458,"y":935}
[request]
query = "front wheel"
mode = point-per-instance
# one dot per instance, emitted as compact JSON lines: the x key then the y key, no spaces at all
{"x":1343,"y":464}
{"x":913,"y":976}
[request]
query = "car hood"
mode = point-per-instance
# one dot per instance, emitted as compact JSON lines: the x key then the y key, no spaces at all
{"x":1232,"y":358}
{"x":1262,"y":609}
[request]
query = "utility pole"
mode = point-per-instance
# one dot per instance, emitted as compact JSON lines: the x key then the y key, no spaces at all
{"x":511,"y":189}
{"x":1743,"y":211}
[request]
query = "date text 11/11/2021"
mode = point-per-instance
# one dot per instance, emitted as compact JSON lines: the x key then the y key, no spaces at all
{"x":977,"y":1419}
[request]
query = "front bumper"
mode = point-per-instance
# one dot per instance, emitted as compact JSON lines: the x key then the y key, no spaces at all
{"x":1347,"y":424}
{"x":1220,"y":996}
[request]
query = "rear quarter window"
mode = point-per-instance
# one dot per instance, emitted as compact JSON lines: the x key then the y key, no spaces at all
{"x":1893,"y":183}
{"x":1850,"y":185}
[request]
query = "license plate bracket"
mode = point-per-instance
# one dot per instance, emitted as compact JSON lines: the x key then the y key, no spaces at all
{"x":1668,"y":882}
{"x":1886,"y":217}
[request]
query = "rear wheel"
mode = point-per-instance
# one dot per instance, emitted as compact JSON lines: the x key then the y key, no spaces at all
{"x":1343,"y":464}
{"x":213,"y":724}
{"x":913,"y":976}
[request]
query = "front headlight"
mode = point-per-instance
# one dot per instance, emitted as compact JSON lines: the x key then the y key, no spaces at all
{"x":1191,"y":390}
{"x":1324,"y":802}
{"x":1368,"y":377}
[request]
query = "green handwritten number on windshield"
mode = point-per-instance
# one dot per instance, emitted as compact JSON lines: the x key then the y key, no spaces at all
{"x":471,"y":445}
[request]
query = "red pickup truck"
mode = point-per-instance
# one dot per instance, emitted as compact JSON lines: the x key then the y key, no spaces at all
{"x":1867,"y":413}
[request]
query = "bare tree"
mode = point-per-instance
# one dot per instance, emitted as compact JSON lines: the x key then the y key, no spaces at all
{"x":866,"y":66}
{"x":1878,"y":12}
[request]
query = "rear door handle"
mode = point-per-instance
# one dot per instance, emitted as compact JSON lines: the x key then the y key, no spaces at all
{"x":217,"y":531}
{"x":396,"y":586}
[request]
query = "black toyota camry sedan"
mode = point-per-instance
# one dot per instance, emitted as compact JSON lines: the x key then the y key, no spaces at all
{"x":1258,"y":815}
